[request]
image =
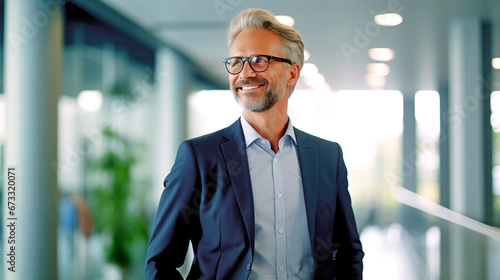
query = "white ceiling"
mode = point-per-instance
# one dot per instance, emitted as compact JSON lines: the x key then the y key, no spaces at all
{"x":198,"y":28}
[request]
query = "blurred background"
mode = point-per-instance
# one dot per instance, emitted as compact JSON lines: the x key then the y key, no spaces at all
{"x":96,"y":96}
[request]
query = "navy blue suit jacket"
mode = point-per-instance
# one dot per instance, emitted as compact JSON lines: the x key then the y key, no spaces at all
{"x":208,"y":199}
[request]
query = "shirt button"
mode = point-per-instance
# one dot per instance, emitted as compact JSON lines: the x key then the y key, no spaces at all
{"x":275,"y":160}
{"x":263,"y":142}
{"x":281,"y":231}
{"x":280,"y":194}
{"x":282,"y":268}
{"x":248,"y":267}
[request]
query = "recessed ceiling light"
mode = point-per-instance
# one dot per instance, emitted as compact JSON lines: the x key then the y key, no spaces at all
{"x":286,"y":20}
{"x":90,"y":100}
{"x":381,"y":54}
{"x":495,"y":62}
{"x":380,"y":69}
{"x":390,"y":19}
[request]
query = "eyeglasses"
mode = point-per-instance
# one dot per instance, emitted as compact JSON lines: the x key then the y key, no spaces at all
{"x":258,"y":63}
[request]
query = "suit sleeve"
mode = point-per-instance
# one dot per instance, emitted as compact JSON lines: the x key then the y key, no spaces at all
{"x":176,"y":217}
{"x":349,"y":258}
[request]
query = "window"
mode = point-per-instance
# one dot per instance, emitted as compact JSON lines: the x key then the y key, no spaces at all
{"x":427,"y":110}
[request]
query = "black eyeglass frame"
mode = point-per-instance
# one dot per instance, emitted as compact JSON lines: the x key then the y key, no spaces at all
{"x":247,"y":59}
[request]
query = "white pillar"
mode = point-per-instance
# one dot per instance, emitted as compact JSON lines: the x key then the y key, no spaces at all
{"x":467,"y":154}
{"x":170,"y":118}
{"x":33,"y":54}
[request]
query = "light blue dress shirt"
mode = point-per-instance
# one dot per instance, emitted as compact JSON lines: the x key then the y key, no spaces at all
{"x":282,"y":244}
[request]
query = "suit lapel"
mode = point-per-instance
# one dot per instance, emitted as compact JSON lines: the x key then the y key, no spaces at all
{"x":309,"y":169}
{"x":235,"y":155}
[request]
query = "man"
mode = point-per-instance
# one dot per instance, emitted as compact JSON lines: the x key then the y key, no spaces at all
{"x":258,"y":199}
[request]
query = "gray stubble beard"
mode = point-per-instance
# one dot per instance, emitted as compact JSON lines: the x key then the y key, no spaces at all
{"x":264,"y":103}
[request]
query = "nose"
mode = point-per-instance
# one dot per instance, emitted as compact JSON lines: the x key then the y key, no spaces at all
{"x":247,"y":71}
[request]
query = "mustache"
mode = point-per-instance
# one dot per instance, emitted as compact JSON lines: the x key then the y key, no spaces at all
{"x":250,"y":81}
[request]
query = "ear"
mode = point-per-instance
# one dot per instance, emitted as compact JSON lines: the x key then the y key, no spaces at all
{"x":293,"y":74}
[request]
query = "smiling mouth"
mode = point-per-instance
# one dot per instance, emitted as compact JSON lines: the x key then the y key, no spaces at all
{"x":249,"y":87}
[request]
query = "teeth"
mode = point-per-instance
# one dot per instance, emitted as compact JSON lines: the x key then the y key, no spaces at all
{"x":246,"y":88}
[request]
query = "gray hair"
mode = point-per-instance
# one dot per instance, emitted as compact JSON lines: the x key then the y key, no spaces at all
{"x":293,"y":47}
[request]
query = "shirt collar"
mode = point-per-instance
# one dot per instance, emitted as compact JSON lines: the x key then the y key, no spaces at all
{"x":251,"y":134}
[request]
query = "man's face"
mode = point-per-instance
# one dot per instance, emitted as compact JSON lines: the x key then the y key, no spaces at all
{"x":258,"y":92}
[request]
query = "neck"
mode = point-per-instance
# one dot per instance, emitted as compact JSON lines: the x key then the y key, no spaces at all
{"x":270,"y":124}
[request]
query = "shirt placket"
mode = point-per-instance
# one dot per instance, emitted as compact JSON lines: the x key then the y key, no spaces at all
{"x":280,"y":224}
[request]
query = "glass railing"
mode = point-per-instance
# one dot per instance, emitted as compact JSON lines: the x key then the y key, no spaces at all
{"x":428,"y":241}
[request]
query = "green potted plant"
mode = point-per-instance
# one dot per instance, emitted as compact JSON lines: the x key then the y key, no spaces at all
{"x":117,"y":203}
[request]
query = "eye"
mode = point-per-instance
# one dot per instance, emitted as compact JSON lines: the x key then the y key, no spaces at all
{"x":234,"y":62}
{"x":260,"y":61}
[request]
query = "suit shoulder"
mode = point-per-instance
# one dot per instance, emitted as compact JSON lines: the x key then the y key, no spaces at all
{"x":217,"y":137}
{"x":207,"y":140}
{"x":315,"y":139}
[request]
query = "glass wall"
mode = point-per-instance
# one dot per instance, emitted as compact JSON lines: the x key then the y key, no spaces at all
{"x":103,"y":153}
{"x":104,"y":158}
